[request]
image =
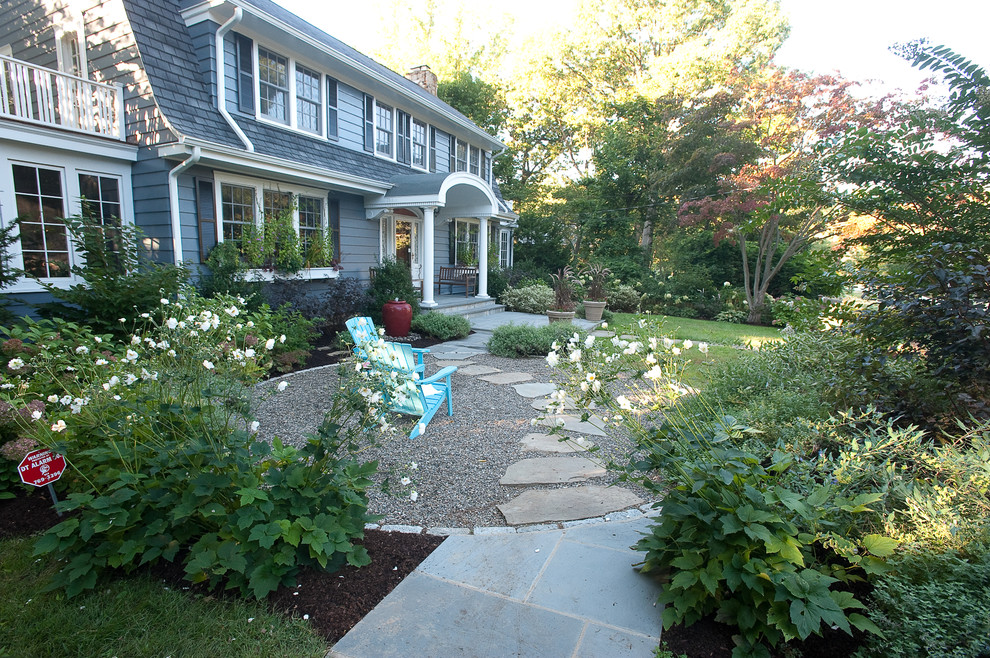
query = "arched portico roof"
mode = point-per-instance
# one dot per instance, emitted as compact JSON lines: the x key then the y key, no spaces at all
{"x":458,"y":193}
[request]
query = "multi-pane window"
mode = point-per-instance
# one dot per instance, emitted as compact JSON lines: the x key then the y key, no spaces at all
{"x":383,"y":129}
{"x":466,"y":242}
{"x":41,"y":209}
{"x":419,"y":144}
{"x":307,"y":99}
{"x":461,"y":156}
{"x":237,"y":208}
{"x":475,"y":165}
{"x":310,"y":221}
{"x":101,"y":204}
{"x":100,"y":198}
{"x":273,"y":80}
{"x":276,"y":202}
{"x":504,"y":249}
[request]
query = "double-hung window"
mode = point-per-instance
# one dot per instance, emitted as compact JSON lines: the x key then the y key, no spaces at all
{"x":273,"y":85}
{"x":383,"y":130}
{"x":307,"y":99}
{"x":311,"y":224}
{"x":237,"y":210}
{"x":100,"y":203}
{"x":419,"y":144}
{"x":41,"y":208}
{"x":466,"y":242}
{"x":458,"y":155}
{"x":475,"y":164}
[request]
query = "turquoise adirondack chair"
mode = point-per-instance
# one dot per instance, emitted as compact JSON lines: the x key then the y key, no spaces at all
{"x":421,"y":396}
{"x":363,"y":329}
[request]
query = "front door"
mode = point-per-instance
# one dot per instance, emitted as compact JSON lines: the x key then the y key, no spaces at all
{"x":401,"y":241}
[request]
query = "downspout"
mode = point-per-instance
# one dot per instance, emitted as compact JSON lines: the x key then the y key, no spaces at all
{"x":222,"y":74}
{"x":173,"y":201}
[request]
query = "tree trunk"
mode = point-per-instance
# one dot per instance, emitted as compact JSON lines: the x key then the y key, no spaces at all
{"x":756,"y":303}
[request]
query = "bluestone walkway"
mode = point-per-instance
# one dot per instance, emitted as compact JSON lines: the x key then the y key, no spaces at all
{"x":568,"y":593}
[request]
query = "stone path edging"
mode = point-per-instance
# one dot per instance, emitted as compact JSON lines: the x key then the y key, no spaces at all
{"x":647,"y":510}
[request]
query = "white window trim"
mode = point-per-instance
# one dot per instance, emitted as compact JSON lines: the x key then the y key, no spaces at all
{"x":378,"y":154}
{"x":6,"y":50}
{"x":70,"y":168}
{"x":260,"y":185}
{"x":291,"y":109}
{"x":426,"y":144}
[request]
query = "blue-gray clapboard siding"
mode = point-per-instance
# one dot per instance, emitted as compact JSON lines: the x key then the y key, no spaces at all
{"x":358,"y":237}
{"x":149,"y":178}
{"x":188,"y":217}
{"x":203,"y":35}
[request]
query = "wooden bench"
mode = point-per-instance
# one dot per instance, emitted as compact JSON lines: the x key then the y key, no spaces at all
{"x":459,"y":275}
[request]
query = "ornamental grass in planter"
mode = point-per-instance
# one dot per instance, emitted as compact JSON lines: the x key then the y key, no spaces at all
{"x":595,"y":277}
{"x":563,"y":296}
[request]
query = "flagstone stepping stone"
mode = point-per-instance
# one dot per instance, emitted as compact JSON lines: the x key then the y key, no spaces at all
{"x":602,"y":333}
{"x":550,"y":443}
{"x":627,"y":337}
{"x":567,"y":504}
{"x":508,"y":377}
{"x":474,"y":370}
{"x":535,"y":389}
{"x":569,"y":404}
{"x":574,"y":423}
{"x":455,"y":356}
{"x":443,"y":350}
{"x":460,"y":364}
{"x":551,"y":470}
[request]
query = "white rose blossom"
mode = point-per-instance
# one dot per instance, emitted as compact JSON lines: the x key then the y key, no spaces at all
{"x":59,"y":426}
{"x":282,"y":386}
{"x":208,"y":364}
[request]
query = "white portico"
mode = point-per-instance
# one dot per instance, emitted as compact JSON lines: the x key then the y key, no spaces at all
{"x":463,"y":206}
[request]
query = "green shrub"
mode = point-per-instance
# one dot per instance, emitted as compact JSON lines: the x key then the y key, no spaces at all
{"x":392,"y":281}
{"x":536,"y":298}
{"x":498,"y":281}
{"x":515,"y":341}
{"x":165,"y":461}
{"x":933,"y":604}
{"x":733,"y":317}
{"x":623,"y":299}
{"x":119,"y":279}
{"x":227,"y":274}
{"x":441,"y":326}
{"x":295,"y":338}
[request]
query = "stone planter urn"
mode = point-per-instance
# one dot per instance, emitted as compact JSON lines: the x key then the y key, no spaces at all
{"x":560,"y":316}
{"x":593,"y":310}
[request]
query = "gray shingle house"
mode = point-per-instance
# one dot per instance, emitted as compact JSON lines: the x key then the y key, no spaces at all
{"x":195,"y":119}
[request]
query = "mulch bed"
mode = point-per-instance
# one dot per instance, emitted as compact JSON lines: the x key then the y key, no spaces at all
{"x":335,"y":602}
{"x":326,"y":351}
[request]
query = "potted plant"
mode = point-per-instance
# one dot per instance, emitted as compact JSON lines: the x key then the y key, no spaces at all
{"x":563,"y":296}
{"x":595,"y":276}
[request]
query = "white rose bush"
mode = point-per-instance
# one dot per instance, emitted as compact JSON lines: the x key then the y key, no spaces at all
{"x":165,"y":462}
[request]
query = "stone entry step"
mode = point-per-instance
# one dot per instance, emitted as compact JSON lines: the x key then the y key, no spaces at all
{"x":551,"y":470}
{"x":569,"y":504}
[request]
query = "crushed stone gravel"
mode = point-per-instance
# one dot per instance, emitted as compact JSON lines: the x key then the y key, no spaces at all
{"x":459,"y":459}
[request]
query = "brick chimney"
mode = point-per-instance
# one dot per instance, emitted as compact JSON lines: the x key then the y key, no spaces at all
{"x":424,"y":77}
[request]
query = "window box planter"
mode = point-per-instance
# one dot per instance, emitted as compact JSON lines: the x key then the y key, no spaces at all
{"x":306,"y":274}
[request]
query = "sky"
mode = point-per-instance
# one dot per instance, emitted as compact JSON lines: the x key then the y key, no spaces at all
{"x":850,"y":36}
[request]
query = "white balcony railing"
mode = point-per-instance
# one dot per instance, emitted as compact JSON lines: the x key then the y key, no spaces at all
{"x":51,"y":98}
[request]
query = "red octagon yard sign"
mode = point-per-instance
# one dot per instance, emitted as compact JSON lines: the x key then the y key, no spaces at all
{"x":41,"y":467}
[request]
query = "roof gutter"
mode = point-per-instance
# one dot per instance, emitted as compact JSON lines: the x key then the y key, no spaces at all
{"x":173,"y":201}
{"x":221,"y":74}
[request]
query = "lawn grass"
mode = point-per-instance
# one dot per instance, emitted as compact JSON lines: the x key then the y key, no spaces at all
{"x":697,"y":366}
{"x":716,"y":333}
{"x":134,"y":616}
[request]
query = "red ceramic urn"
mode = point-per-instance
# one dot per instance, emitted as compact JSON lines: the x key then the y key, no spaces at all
{"x":397,"y":316}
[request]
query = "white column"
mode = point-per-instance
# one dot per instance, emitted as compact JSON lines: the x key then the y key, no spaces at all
{"x":428,"y":244}
{"x":483,"y":259}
